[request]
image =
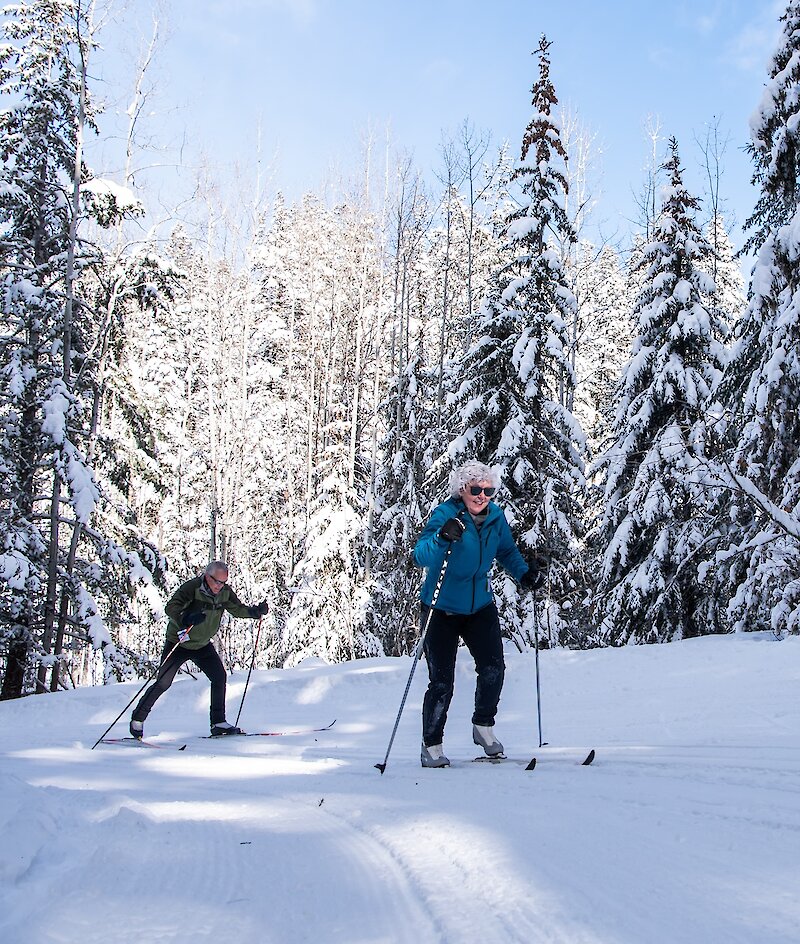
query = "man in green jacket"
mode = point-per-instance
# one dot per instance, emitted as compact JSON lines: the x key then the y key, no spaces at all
{"x":195,"y":611}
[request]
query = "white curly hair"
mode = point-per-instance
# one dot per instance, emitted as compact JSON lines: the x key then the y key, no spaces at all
{"x":472,"y":471}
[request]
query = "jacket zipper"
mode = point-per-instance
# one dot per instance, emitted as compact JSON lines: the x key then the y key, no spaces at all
{"x":480,"y":560}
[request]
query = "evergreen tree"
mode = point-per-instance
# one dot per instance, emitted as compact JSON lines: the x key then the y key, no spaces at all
{"x":604,"y":339}
{"x":515,"y":374}
{"x":401,"y":491}
{"x":759,"y":389}
{"x":65,"y":572}
{"x":328,"y":614}
{"x":774,"y":138}
{"x":649,"y":587}
{"x":729,"y":294}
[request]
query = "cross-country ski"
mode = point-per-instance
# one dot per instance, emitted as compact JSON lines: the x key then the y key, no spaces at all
{"x":140,"y":742}
{"x":286,"y":733}
{"x":584,"y":760}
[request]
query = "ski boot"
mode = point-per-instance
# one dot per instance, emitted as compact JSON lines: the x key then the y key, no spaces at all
{"x":483,"y":736}
{"x":433,"y":756}
{"x":223,"y":728}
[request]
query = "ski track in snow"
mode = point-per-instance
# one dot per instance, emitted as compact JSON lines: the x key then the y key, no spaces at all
{"x":225,"y":869}
{"x":684,"y":831}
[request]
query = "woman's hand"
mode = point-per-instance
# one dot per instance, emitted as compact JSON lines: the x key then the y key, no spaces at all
{"x":452,"y":530}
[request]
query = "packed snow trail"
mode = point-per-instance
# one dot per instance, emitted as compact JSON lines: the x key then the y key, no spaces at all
{"x":684,"y":830}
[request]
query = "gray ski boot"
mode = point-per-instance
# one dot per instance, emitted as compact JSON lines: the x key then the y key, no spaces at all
{"x":433,"y":756}
{"x":483,"y":736}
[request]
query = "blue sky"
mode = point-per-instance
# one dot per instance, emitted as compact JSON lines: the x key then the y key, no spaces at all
{"x":316,"y":74}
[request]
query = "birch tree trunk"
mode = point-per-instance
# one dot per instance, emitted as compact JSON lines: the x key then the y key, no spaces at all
{"x":369,"y":537}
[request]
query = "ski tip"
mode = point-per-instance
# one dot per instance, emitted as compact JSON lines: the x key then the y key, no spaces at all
{"x":380,"y":767}
{"x":183,"y":748}
{"x":589,"y":758}
{"x":532,"y":764}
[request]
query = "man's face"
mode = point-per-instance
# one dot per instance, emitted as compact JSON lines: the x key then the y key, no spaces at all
{"x":216,"y":579}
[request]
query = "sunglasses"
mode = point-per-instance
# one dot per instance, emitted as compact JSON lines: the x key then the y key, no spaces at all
{"x":477,"y":489}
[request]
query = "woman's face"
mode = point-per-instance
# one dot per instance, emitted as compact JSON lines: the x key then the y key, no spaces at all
{"x":476,"y":503}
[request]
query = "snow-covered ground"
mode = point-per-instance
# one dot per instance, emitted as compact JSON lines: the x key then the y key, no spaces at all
{"x":686,"y":829}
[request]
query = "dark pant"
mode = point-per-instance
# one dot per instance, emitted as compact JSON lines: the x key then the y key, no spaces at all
{"x":209,"y":663}
{"x":481,"y":634}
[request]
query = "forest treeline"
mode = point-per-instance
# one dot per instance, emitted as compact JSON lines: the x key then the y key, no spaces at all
{"x":286,"y":385}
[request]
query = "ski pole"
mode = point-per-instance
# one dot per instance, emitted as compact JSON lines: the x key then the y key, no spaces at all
{"x":154,"y":674}
{"x":417,"y":654}
{"x":536,"y":646}
{"x":252,"y":664}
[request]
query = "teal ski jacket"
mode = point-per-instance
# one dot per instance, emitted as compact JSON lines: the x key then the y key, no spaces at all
{"x":467,"y":586}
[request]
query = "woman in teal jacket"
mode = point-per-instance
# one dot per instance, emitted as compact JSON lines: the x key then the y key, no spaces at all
{"x":476,"y":531}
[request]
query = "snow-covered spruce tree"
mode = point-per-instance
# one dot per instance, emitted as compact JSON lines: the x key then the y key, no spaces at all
{"x":515,"y":374}
{"x":410,"y":418}
{"x":328,"y":615}
{"x":649,"y":588}
{"x":119,"y":440}
{"x":729,"y":293}
{"x":759,"y":389}
{"x":62,"y":570}
{"x":604,"y":339}
{"x":774,"y":138}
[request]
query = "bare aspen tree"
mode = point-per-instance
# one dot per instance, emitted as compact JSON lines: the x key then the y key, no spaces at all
{"x":578,"y":203}
{"x":378,"y":370}
{"x":647,"y":199}
{"x":478,"y":180}
{"x":712,"y":148}
{"x":451,"y":177}
{"x":359,"y":340}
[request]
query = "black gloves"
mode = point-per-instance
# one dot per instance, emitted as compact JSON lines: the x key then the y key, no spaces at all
{"x":192,"y":618}
{"x":534,"y":576}
{"x":260,"y":609}
{"x":452,"y":530}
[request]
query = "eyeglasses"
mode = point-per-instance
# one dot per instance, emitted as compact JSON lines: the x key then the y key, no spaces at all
{"x":477,"y":489}
{"x":216,"y":580}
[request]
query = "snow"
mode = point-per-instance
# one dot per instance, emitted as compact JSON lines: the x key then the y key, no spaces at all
{"x":103,"y":187}
{"x":55,"y":408}
{"x":684,"y":830}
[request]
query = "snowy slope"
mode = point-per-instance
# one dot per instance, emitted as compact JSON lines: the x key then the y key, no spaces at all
{"x":686,"y":829}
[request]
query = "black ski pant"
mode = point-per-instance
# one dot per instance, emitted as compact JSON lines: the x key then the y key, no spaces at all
{"x":206,"y":659}
{"x":481,"y":634}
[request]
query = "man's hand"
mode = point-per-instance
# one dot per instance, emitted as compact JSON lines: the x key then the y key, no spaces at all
{"x":192,"y":618}
{"x":260,"y":609}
